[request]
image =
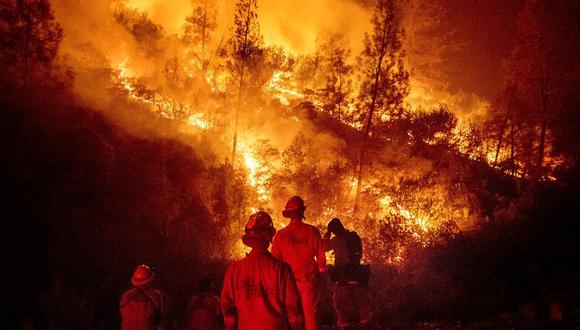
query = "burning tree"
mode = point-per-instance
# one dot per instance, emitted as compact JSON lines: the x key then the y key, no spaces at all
{"x":385,"y":82}
{"x":198,"y":28}
{"x":244,"y":51}
{"x":537,"y":83}
{"x":337,"y":90}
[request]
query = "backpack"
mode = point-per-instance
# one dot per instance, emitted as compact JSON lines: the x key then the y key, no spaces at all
{"x":140,"y":307}
{"x":354,"y":272}
{"x":354,"y":247}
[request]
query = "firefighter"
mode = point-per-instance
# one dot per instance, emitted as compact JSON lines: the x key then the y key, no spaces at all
{"x":259,"y":291}
{"x":350,"y":298}
{"x":142,"y":306}
{"x":300,"y":245}
{"x":204,"y":310}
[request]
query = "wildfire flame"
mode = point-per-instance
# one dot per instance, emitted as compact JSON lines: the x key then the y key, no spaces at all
{"x":163,"y":105}
{"x":279,"y":92}
{"x":416,"y":218}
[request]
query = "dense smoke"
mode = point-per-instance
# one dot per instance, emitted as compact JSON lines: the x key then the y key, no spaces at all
{"x":93,"y":38}
{"x":285,"y":147}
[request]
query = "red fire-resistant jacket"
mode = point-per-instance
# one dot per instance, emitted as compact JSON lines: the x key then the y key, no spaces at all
{"x":300,"y":245}
{"x":141,"y":309}
{"x":260,"y":292}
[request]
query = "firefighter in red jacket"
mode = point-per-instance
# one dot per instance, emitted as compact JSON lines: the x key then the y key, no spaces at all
{"x":142,"y":307}
{"x":300,"y":245}
{"x":259,"y":291}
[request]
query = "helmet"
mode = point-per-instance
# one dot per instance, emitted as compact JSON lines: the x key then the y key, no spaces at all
{"x":142,"y":276}
{"x":294,"y":208}
{"x":259,"y":227}
{"x":335,"y":225}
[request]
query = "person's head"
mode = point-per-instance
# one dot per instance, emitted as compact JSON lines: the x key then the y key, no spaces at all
{"x":335,"y":226}
{"x":259,"y":230}
{"x":143,"y":276}
{"x":294,"y":208}
{"x":205,"y":284}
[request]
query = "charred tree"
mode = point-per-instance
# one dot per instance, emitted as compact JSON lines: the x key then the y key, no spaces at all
{"x":385,"y":81}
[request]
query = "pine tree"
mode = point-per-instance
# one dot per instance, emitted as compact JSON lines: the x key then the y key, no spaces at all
{"x":29,"y":40}
{"x":426,"y":43}
{"x":199,"y":26}
{"x":338,"y":75}
{"x":539,"y":66}
{"x":147,"y":34}
{"x":385,"y":81}
{"x":244,"y":51}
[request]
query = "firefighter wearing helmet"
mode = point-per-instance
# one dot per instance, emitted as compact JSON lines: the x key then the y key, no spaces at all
{"x":300,"y":245}
{"x":142,"y":306}
{"x":350,"y":298}
{"x":259,"y":291}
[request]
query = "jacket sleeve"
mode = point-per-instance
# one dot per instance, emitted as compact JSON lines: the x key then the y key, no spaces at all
{"x":328,"y":243}
{"x":276,"y":251}
{"x":163,"y":311}
{"x":319,"y":250}
{"x":292,"y":299}
{"x":228,"y":300}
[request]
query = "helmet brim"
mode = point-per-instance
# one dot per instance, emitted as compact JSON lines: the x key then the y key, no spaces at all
{"x":248,"y":238}
{"x":141,"y":282}
{"x":293,"y":214}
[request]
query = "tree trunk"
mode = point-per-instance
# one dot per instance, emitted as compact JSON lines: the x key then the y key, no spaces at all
{"x":241,"y":84}
{"x":368,"y":125}
{"x":500,"y":138}
{"x":541,"y":148}
{"x":203,"y":32}
{"x":25,"y":52}
{"x":544,"y":108}
{"x":340,"y":96}
{"x":512,"y":150}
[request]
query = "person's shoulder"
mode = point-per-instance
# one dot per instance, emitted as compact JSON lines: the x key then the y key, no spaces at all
{"x":129,"y":292}
{"x":234,"y":265}
{"x":283,"y":229}
{"x":152,"y":292}
{"x":313,"y":228}
{"x":354,"y":234}
{"x":128,"y":295}
{"x":194,"y":300}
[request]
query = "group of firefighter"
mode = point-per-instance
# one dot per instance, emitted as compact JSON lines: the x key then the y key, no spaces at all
{"x":277,"y":290}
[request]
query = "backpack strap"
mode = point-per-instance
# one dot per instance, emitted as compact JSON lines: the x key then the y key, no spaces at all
{"x":143,"y":292}
{"x":138,"y":292}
